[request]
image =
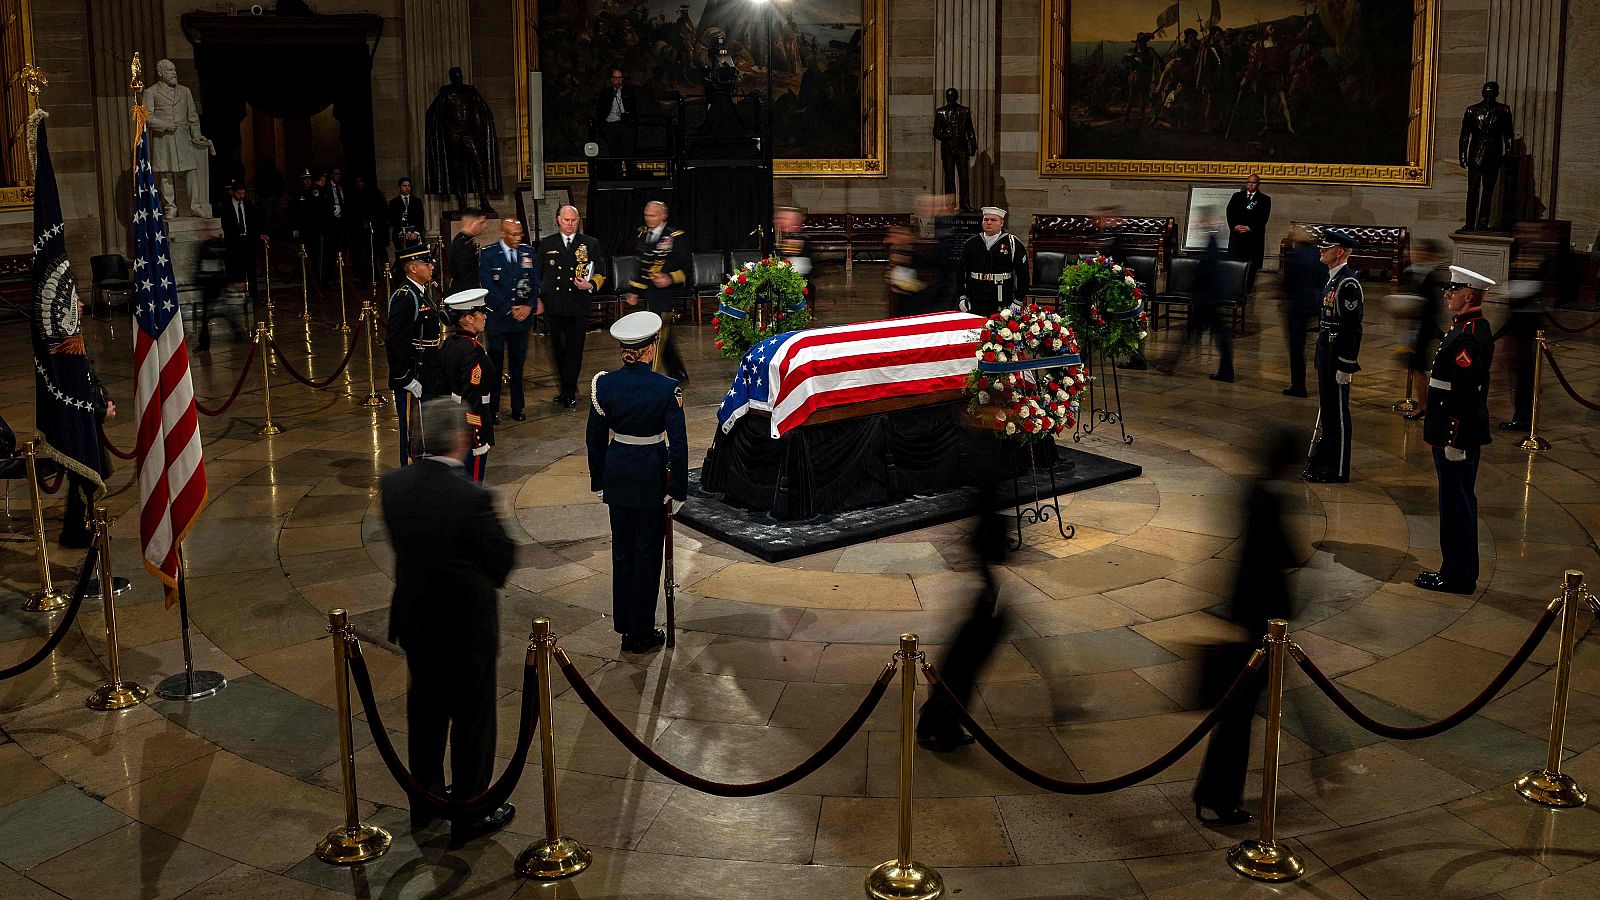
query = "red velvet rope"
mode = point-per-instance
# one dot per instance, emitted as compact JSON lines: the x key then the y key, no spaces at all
{"x":54,"y":484}
{"x":349,"y":354}
{"x":1551,"y":360}
{"x":237,"y":387}
{"x":1560,"y":327}
{"x":85,"y":572}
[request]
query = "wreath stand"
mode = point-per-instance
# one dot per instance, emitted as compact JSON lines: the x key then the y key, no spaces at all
{"x":1040,"y":509}
{"x":1097,"y":415}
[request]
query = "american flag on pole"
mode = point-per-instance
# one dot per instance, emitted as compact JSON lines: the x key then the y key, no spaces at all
{"x":172,"y":475}
{"x":795,"y":374}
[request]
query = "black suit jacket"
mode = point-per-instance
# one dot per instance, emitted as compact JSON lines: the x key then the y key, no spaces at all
{"x":231,"y":227}
{"x":602,"y":105}
{"x":451,"y":554}
{"x":556,"y":264}
{"x":402,"y":220}
{"x":1252,"y":244}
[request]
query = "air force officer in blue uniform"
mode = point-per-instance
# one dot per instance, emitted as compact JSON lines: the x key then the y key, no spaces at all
{"x":509,"y":271}
{"x":638,"y":463}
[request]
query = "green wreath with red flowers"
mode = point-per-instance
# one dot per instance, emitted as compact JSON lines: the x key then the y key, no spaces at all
{"x":1104,"y":304}
{"x":1028,"y":375}
{"x":758,"y":301}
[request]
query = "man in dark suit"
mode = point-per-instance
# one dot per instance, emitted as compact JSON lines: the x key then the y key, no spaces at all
{"x":570,"y":272}
{"x":463,"y":253}
{"x":405,"y":217}
{"x":615,"y":111}
{"x":309,"y":217}
{"x":1248,"y":212}
{"x":509,"y":271}
{"x":664,"y":261}
{"x":452,"y":555}
{"x":1303,"y":278}
{"x":368,"y":228}
{"x":241,"y":231}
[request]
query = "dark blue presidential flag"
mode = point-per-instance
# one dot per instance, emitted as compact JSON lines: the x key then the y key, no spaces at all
{"x":69,"y":402}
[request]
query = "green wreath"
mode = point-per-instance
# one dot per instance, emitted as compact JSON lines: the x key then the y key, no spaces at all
{"x":1104,"y":305}
{"x":758,"y":301}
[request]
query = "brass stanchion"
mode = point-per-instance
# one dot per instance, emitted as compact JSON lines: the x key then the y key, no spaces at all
{"x":557,"y":856}
{"x":344,"y":324}
{"x":388,"y":283}
{"x":305,"y":286}
{"x":114,"y":694}
{"x":1409,"y":404}
{"x":373,"y":398}
{"x":46,"y":598}
{"x":266,"y":382}
{"x":903,"y":878}
{"x":266,"y":268}
{"x":355,"y":841}
{"x":1265,"y":858}
{"x":1550,"y":786}
{"x":1533,"y":442}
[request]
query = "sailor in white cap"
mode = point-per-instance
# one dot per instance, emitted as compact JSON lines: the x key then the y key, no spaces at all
{"x":638,"y":462}
{"x":1456,"y":424}
{"x":996,"y":264}
{"x":469,"y":374}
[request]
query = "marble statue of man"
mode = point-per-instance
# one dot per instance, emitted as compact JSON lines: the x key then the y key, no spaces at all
{"x":176,"y":144}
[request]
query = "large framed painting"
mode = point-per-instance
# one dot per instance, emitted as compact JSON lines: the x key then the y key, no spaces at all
{"x":1337,"y":91}
{"x":827,"y":62}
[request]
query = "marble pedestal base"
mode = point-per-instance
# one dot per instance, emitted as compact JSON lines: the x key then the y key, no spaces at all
{"x":1486,"y":253}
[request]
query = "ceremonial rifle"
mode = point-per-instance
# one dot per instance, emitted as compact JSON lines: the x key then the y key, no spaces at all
{"x":667,"y":584}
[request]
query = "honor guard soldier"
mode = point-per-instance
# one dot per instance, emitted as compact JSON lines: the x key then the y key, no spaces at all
{"x":1338,"y":348}
{"x":417,"y":326}
{"x":638,"y":464}
{"x":789,"y":242}
{"x":570,"y":267}
{"x":463,"y":253}
{"x":1456,"y":424}
{"x":469,"y":375}
{"x":509,"y":271}
{"x":664,"y":261}
{"x":996,"y":264}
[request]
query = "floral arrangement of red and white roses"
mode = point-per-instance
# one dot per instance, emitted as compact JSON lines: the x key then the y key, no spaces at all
{"x":1028,"y":374}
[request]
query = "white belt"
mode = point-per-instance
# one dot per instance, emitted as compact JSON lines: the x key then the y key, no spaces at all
{"x":989,"y":276}
{"x":1436,"y":383}
{"x":636,"y":441}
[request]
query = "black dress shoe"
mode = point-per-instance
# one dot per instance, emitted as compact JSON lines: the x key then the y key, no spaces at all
{"x":519,"y":416}
{"x":644,"y":642}
{"x":559,"y":400}
{"x":495,"y":419}
{"x":1236,"y":816}
{"x":570,"y":403}
{"x":1322,"y":478}
{"x":1294,"y":392}
{"x":944,"y":743}
{"x":1218,"y":376}
{"x":1433,"y":581}
{"x":1513,"y":426}
{"x":462,"y":832}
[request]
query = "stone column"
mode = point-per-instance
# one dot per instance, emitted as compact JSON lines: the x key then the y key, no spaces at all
{"x":438,"y":37}
{"x":1525,"y":56}
{"x":966,"y":57}
{"x":116,"y":30}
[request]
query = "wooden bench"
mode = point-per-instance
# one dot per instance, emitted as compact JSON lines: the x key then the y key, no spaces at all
{"x":16,"y":280}
{"x":1073,"y":234}
{"x":1383,"y":248}
{"x":853,"y":233}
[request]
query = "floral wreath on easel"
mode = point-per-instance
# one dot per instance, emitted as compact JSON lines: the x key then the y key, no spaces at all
{"x":1028,"y":374}
{"x":758,"y":301}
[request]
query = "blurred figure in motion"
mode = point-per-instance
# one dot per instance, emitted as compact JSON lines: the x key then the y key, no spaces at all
{"x":1303,"y":278}
{"x":1423,"y":292}
{"x":1205,"y":310}
{"x":937,"y":727}
{"x":1517,"y":347}
{"x":914,"y":272}
{"x":1260,"y":592}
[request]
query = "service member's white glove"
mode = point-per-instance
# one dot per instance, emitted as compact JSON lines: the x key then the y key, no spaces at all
{"x":479,"y":451}
{"x":801,"y":264}
{"x":964,"y":305}
{"x":456,"y":397}
{"x":414,"y":388}
{"x":676,"y":505}
{"x":1342,"y":377}
{"x":1455,"y":454}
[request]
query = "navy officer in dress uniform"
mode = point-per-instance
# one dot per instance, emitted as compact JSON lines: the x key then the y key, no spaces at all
{"x":571,"y":267}
{"x":664,"y":261}
{"x":417,"y":327}
{"x":638,"y":463}
{"x":469,"y":374}
{"x":996,"y":264}
{"x":1338,"y":351}
{"x":1456,"y":424}
{"x":509,"y":271}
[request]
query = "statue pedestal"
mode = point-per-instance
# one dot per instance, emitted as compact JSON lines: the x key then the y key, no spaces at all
{"x":185,"y":234}
{"x":1488,"y":254}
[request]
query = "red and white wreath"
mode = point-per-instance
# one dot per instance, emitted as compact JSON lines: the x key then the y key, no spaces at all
{"x":1028,"y":374}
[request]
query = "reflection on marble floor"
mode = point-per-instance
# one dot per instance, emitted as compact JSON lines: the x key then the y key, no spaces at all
{"x":228,"y":797}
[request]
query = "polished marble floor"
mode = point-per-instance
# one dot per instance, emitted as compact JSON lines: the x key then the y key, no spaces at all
{"x":229,"y":796}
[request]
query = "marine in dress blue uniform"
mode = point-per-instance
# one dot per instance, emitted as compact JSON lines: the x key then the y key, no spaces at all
{"x":1456,"y":424}
{"x":1338,"y":352}
{"x":638,"y":463}
{"x":469,"y":375}
{"x":416,"y":330}
{"x":509,"y":271}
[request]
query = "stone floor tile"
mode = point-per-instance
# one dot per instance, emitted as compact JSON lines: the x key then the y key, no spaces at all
{"x":1370,"y":783}
{"x":1106,"y":749}
{"x":1558,"y":839}
{"x":746,"y":753}
{"x":967,"y":771}
{"x":105,"y":867}
{"x":959,"y":831}
{"x":1434,"y":678}
{"x":112,"y":761}
{"x":1107,"y":650}
{"x":241,"y":880}
{"x":24,"y":776}
{"x":774,"y":828}
{"x":1138,"y":821}
{"x":265,"y":724}
{"x":1075,"y":615}
{"x":1097,"y":571}
{"x":1426,"y":854}
{"x":73,"y":818}
{"x":1204,"y":875}
{"x":1084,"y":698}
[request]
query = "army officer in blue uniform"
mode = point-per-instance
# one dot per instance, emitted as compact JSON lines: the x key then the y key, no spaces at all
{"x":1456,"y":424}
{"x":1338,"y":352}
{"x":638,"y":463}
{"x":509,"y":271}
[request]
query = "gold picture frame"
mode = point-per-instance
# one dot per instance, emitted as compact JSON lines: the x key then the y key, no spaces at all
{"x":1055,"y":18}
{"x":873,"y":163}
{"x":17,"y":24}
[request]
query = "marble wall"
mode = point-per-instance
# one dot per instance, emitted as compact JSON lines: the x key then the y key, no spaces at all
{"x":1579,"y":196}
